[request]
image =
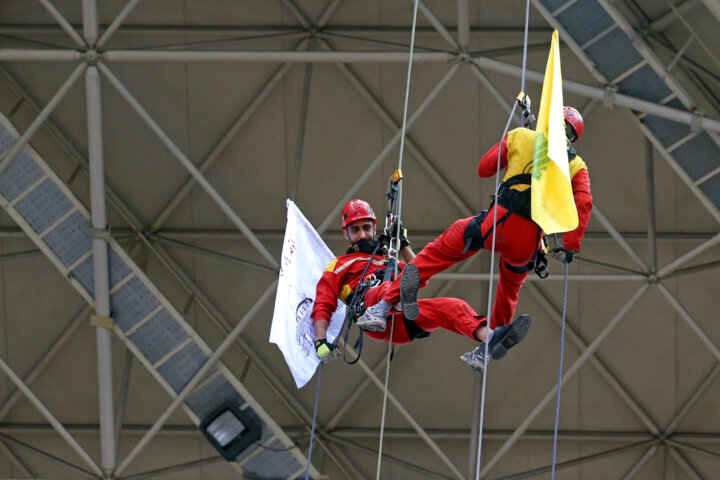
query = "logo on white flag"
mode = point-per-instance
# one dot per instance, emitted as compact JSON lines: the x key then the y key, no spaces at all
{"x":305,"y":335}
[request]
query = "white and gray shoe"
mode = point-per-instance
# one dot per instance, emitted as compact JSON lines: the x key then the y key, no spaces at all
{"x":375,"y":317}
{"x":503,"y":339}
{"x":475,"y":359}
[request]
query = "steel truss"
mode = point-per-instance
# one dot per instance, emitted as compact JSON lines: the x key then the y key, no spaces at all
{"x":93,"y":60}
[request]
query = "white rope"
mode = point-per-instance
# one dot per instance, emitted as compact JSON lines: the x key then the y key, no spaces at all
{"x":385,"y":395}
{"x":492,"y":251}
{"x":397,"y":234}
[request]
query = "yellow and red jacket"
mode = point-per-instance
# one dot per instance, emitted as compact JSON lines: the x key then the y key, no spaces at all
{"x":339,"y":280}
{"x":517,"y":154}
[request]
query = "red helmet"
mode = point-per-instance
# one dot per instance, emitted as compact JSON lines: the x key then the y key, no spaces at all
{"x":356,"y":210}
{"x":573,"y":117}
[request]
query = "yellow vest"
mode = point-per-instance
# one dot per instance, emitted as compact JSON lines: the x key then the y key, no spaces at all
{"x":520,"y":148}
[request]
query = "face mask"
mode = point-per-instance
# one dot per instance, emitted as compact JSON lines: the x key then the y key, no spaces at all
{"x":363,"y":246}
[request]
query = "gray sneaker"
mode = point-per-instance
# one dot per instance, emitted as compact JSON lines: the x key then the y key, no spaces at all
{"x":375,"y":318}
{"x":503,"y":339}
{"x":476,"y":358}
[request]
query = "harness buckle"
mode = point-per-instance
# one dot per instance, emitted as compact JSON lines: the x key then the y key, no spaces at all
{"x":540,"y":268}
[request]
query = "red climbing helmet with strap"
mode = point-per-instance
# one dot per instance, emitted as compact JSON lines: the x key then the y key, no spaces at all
{"x":573,"y":117}
{"x":356,"y":210}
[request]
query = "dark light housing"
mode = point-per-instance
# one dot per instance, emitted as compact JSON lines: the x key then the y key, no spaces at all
{"x":230,"y":430}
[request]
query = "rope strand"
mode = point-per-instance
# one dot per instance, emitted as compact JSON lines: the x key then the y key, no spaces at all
{"x":492,"y":250}
{"x":314,"y":420}
{"x":384,"y":405}
{"x":560,"y":369}
{"x":397,"y":234}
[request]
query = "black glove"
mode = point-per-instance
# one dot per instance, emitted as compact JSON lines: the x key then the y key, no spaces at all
{"x":563,"y":255}
{"x":404,"y":242}
{"x":324,"y":349}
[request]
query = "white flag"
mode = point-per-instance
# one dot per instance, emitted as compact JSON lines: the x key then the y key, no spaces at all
{"x":304,"y":258}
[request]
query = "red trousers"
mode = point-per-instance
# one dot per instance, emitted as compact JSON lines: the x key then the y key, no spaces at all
{"x":516,"y":241}
{"x":448,"y":313}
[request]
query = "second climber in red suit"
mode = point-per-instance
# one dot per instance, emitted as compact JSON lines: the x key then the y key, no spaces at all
{"x":517,"y":237}
{"x":342,"y":275}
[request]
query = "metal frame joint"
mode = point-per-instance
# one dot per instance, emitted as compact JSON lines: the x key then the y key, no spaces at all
{"x":101,"y":233}
{"x":696,"y":121}
{"x":92,"y":57}
{"x":609,"y":95}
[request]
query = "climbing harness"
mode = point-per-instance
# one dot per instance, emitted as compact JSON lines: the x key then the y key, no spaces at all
{"x":355,"y":301}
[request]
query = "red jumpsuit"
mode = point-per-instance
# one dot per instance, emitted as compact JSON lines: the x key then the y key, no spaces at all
{"x":341,"y":277}
{"x":516,"y":239}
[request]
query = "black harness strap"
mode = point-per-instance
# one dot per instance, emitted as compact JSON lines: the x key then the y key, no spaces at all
{"x":473,"y":236}
{"x":517,"y":201}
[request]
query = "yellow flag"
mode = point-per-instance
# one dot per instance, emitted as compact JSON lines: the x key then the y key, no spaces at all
{"x":553,"y":207}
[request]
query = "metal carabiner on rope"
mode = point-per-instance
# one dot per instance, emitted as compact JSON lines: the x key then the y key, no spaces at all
{"x":392,"y":213}
{"x":528,"y":119}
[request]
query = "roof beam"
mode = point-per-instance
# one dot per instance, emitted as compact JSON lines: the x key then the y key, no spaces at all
{"x":714,"y":7}
{"x":394,"y":125}
{"x":586,"y":354}
{"x":15,"y":460}
{"x":463,"y":22}
{"x":584,"y":90}
{"x":197,"y":377}
{"x":598,"y":364}
{"x":136,"y":30}
{"x":41,"y":453}
{"x":437,"y":25}
{"x":663,"y":21}
{"x":100,"y":246}
{"x":116,"y":23}
{"x":180,"y":156}
{"x":333,"y":215}
{"x":69,"y":29}
{"x":45,"y":412}
{"x":228,"y":136}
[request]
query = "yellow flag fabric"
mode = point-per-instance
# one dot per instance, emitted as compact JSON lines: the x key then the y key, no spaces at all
{"x":553,"y":207}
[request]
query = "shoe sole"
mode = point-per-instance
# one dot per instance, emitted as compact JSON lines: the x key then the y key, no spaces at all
{"x":373,"y":327}
{"x":409,"y":284}
{"x":515,"y":333}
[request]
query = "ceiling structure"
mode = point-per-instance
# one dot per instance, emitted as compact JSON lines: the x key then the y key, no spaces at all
{"x":213,"y":113}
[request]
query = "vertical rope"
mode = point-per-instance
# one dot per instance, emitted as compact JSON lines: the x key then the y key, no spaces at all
{"x":403,"y":128}
{"x":385,"y":394}
{"x":397,"y":238}
{"x":525,"y":45}
{"x":314,"y":421}
{"x":560,"y":369}
{"x":492,"y":250}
